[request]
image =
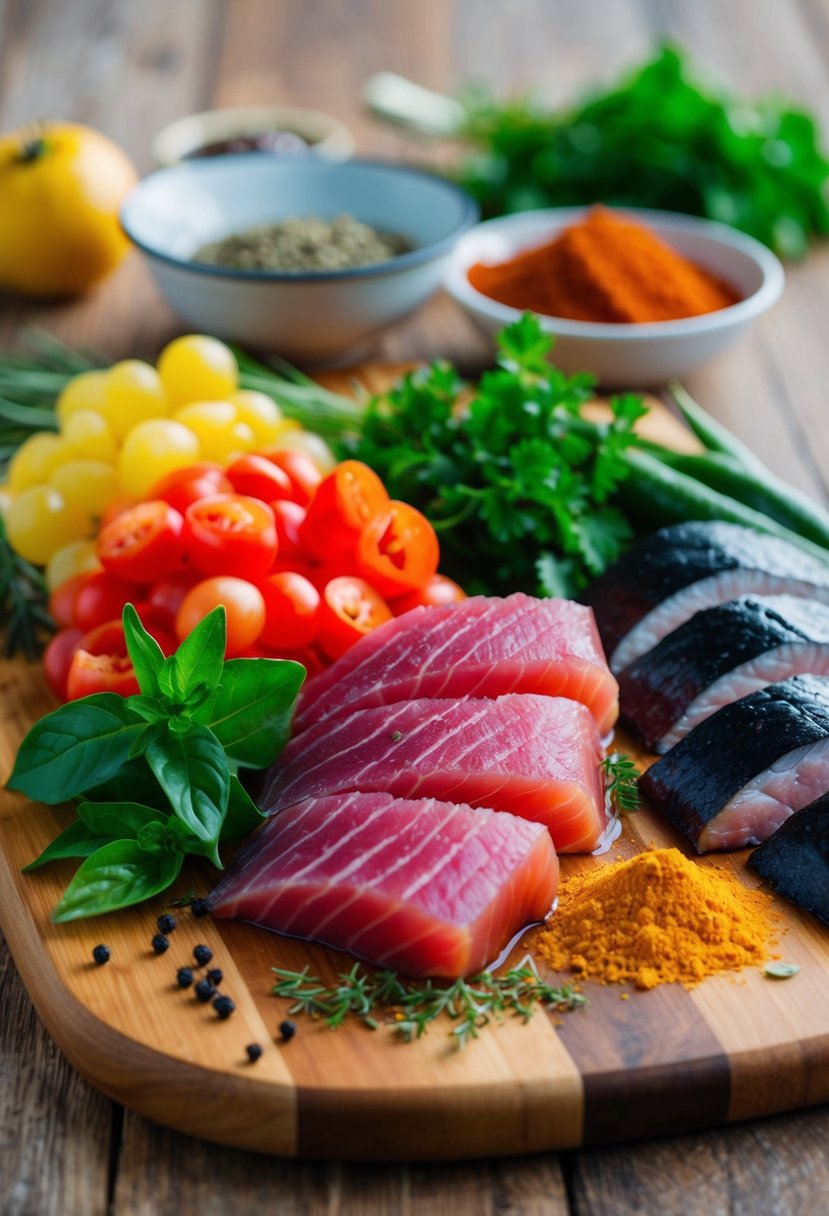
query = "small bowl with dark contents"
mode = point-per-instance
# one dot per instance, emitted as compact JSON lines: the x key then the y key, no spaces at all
{"x":292,"y":255}
{"x":281,"y":130}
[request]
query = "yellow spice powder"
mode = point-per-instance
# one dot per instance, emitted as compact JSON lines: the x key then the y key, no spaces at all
{"x":657,"y":918}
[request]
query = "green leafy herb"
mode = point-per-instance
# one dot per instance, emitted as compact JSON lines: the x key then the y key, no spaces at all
{"x":108,"y":750}
{"x":23,"y":600}
{"x":781,"y":971}
{"x":409,"y":1008}
{"x":622,"y":782}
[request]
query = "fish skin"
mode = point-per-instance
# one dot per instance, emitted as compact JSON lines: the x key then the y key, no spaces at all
{"x":535,"y":756}
{"x":421,"y":886}
{"x":657,"y":688}
{"x":481,"y":647}
{"x":693,"y":783}
{"x":795,"y":860}
{"x":677,"y":557}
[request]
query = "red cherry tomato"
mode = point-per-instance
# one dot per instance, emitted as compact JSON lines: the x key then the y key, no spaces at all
{"x":231,"y":534}
{"x":259,"y":478}
{"x":288,"y":517}
{"x":439,"y":590}
{"x":398,"y":550}
{"x":244,"y":606}
{"x":101,"y":664}
{"x":311,"y":658}
{"x":167,"y":593}
{"x":143,"y":543}
{"x":302,"y":473}
{"x":345,"y":501}
{"x":158,"y":624}
{"x":102,"y":599}
{"x":292,"y":606}
{"x":57,"y":659}
{"x":117,"y":507}
{"x":185,"y":486}
{"x":349,"y":609}
{"x":63,"y":599}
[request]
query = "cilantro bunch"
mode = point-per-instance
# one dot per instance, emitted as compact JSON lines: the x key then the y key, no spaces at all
{"x":156,"y":774}
{"x":515,"y":481}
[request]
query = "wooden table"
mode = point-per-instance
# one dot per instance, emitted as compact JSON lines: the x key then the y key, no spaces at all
{"x":128,"y":68}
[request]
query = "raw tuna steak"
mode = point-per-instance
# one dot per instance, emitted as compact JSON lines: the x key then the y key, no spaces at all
{"x":481,"y":647}
{"x":740,"y":774}
{"x":424,"y":887}
{"x":666,"y":578}
{"x":719,"y":656}
{"x":795,"y":860}
{"x":537,"y":757}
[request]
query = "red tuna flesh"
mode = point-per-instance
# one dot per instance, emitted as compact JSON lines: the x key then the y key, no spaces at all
{"x":481,"y":647}
{"x":537,"y":757}
{"x":424,"y":887}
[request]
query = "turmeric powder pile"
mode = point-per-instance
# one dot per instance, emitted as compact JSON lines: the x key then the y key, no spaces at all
{"x":604,"y":268}
{"x":658,"y":918}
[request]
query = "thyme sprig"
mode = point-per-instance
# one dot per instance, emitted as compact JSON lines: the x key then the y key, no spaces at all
{"x":622,"y":782}
{"x":408,"y":1008}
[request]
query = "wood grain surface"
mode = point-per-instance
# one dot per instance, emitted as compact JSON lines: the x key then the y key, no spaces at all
{"x":129,"y":68}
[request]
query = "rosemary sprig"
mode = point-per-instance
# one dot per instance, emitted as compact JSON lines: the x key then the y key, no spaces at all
{"x":23,"y":601}
{"x":409,"y":1008}
{"x":621,"y":776}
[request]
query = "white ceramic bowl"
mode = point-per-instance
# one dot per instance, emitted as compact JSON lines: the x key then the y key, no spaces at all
{"x":628,"y":355}
{"x":318,"y":316}
{"x":326,"y":135}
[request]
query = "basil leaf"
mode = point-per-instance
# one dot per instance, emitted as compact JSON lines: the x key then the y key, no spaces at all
{"x":144,"y":651}
{"x":243,"y":815}
{"x":200,"y":656}
{"x":166,"y":837}
{"x":75,"y":841}
{"x":192,"y":771}
{"x":118,"y":819}
{"x":134,"y":783}
{"x":77,"y":746}
{"x":251,"y":714}
{"x":116,"y":876}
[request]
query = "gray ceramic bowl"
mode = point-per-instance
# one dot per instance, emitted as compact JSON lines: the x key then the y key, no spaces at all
{"x":318,"y":316}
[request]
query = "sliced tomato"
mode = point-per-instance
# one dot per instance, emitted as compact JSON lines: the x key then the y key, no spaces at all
{"x":244,"y":605}
{"x":117,"y":507}
{"x":398,"y":550}
{"x":57,"y":659}
{"x":143,"y":543}
{"x":345,"y":501}
{"x":231,"y":534}
{"x":292,"y":609}
{"x":102,"y":599}
{"x":349,"y":609}
{"x":101,"y":663}
{"x":439,"y":590}
{"x":302,"y":473}
{"x":259,"y":478}
{"x":185,"y":486}
{"x":288,"y":517}
{"x":63,"y":599}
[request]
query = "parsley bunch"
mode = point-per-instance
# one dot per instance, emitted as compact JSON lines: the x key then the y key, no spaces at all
{"x":516,"y":482}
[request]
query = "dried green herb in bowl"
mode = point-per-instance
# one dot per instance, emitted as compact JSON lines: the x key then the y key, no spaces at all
{"x":305,"y":242}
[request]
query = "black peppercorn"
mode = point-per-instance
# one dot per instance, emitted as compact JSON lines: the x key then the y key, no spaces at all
{"x":202,"y":955}
{"x":254,"y":1052}
{"x":159,"y":943}
{"x":224,"y":1006}
{"x":166,"y":923}
{"x":199,"y":907}
{"x":101,"y":955}
{"x":287,"y":1030}
{"x":215,"y":975}
{"x":205,"y":991}
{"x":184,"y":977}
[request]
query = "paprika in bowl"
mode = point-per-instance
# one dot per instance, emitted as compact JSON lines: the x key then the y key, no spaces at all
{"x":643,"y":295}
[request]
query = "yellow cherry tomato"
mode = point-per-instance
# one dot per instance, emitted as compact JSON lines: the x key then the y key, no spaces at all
{"x":39,"y":522}
{"x":152,"y":449}
{"x":88,"y":434}
{"x":260,"y":412}
{"x":83,"y":392}
{"x":197,"y":368}
{"x":134,"y":393}
{"x":78,"y":557}
{"x":61,"y":187}
{"x":220,"y":432}
{"x":88,"y":485}
{"x":36,"y":459}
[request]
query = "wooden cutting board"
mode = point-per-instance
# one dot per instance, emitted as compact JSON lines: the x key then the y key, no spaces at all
{"x":656,"y":1062}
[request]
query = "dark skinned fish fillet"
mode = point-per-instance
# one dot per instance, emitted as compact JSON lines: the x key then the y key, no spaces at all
{"x":720,"y":655}
{"x":795,"y":860}
{"x":740,"y":774}
{"x":667,"y":577}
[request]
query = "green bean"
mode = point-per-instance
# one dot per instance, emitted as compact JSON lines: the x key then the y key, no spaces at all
{"x":659,"y":495}
{"x":715,"y":436}
{"x":769,"y":495}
